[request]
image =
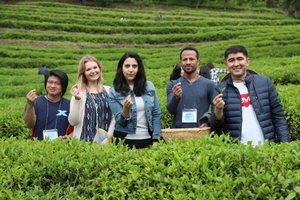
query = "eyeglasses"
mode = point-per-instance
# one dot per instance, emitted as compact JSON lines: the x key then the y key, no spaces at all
{"x":55,"y":83}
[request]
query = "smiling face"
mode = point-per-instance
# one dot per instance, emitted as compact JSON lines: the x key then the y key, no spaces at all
{"x":53,"y":86}
{"x":237,"y":64}
{"x":189,"y":61}
{"x":92,"y":71}
{"x":130,"y":69}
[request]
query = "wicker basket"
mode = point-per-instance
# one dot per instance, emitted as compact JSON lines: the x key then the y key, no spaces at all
{"x":181,"y":133}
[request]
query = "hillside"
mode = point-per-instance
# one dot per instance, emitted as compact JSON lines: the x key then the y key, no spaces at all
{"x":59,"y":34}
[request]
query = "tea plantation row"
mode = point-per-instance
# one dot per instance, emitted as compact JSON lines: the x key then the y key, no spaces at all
{"x":59,"y":34}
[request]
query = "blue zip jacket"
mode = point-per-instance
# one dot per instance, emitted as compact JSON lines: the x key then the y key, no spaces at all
{"x":128,"y":125}
{"x":266,"y":104}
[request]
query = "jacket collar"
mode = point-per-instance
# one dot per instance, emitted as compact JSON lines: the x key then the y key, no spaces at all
{"x":248,"y":78}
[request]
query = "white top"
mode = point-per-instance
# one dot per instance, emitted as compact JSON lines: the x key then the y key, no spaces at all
{"x":251,"y":130}
{"x":142,"y":124}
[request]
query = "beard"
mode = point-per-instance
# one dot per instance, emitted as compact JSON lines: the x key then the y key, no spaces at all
{"x":189,"y":72}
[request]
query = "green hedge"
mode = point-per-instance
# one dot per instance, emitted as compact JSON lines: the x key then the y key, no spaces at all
{"x":140,"y":39}
{"x":14,"y":24}
{"x":104,"y":20}
{"x":11,"y":118}
{"x":53,"y":9}
{"x":209,"y":168}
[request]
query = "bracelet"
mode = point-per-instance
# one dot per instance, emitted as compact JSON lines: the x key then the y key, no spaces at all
{"x":77,"y":98}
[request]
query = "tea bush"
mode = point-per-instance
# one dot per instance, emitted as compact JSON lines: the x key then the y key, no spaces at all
{"x":206,"y":168}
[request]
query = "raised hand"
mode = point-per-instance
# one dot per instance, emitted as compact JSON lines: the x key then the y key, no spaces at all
{"x":31,"y":97}
{"x":177,"y":90}
{"x":75,"y":91}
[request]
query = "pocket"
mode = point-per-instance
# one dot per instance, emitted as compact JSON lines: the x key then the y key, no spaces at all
{"x":151,"y":96}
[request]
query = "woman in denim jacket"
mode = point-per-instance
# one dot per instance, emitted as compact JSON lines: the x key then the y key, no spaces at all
{"x":134,"y":103}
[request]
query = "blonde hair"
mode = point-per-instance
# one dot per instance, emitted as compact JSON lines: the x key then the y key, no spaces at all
{"x":81,"y":79}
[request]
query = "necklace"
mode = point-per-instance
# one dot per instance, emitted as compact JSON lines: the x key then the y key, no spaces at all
{"x":52,"y":100}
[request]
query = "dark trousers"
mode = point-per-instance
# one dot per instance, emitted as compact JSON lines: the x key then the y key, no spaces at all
{"x":138,"y":144}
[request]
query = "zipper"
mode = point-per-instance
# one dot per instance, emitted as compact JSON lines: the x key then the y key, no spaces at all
{"x":258,"y":103}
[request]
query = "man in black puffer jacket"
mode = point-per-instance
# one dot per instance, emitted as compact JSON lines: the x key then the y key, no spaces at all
{"x":247,"y":105}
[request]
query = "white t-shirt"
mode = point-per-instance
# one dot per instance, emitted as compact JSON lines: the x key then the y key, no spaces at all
{"x":251,"y":130}
{"x":142,"y":124}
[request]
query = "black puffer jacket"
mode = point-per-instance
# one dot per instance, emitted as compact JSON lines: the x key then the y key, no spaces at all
{"x":265,"y":101}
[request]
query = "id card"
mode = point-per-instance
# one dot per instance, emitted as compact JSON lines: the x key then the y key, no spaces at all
{"x":189,"y":115}
{"x":51,"y":134}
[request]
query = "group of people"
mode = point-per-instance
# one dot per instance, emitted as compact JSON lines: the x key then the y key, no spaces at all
{"x":129,"y":110}
{"x":244,"y":104}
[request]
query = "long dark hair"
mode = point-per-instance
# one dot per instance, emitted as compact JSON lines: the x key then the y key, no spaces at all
{"x":63,"y":77}
{"x":204,"y":71}
{"x":210,"y":66}
{"x":176,"y":72}
{"x":140,"y":81}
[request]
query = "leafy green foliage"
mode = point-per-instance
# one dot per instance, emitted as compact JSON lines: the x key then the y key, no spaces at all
{"x":207,"y":168}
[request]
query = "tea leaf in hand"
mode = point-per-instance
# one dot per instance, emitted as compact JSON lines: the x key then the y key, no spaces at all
{"x":222,"y":90}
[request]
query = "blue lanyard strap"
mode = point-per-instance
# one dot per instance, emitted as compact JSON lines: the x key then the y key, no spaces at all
{"x":47,"y":113}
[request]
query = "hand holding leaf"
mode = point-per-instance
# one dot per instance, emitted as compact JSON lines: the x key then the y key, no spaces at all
{"x":222,"y":90}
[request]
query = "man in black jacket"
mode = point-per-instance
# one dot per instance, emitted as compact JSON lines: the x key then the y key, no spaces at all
{"x":247,"y":105}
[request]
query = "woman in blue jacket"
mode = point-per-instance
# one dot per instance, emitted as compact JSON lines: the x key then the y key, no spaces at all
{"x":134,"y":103}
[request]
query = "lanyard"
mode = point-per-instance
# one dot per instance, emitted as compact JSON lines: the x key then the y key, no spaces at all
{"x":47,"y":113}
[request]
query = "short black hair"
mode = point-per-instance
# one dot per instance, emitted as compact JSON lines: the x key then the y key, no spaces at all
{"x":43,"y":65}
{"x":189,"y":48}
{"x":63,"y":77}
{"x":236,"y":49}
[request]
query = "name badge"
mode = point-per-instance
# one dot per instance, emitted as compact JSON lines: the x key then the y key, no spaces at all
{"x":51,"y":134}
{"x":189,"y":115}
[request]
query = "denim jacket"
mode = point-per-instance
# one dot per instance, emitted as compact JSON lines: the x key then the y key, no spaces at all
{"x":128,"y":125}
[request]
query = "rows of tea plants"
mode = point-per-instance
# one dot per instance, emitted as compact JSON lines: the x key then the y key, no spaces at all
{"x":59,"y":34}
{"x":192,"y":169}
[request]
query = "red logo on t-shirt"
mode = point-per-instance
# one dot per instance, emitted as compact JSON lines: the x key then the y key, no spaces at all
{"x":245,"y":100}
